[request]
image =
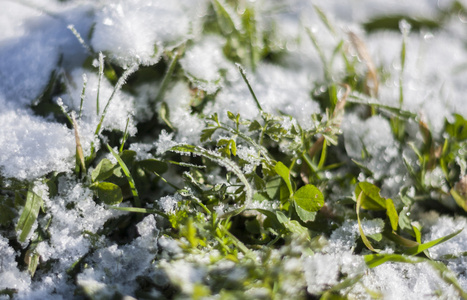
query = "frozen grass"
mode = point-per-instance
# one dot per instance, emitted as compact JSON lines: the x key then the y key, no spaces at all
{"x":233,"y":149}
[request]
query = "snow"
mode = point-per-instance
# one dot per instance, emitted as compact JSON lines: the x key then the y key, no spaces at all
{"x":139,"y":31}
{"x":204,"y":63}
{"x":32,"y":146}
{"x":323,"y":270}
{"x":169,"y":204}
{"x":10,"y":275}
{"x":372,"y":142}
{"x":117,"y":267}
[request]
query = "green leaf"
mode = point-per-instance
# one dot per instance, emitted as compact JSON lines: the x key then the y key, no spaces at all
{"x":272,"y":188}
{"x":109,"y":193}
{"x":422,"y":247}
{"x":207,"y":133}
{"x":255,"y":125}
{"x":30,"y":212}
{"x":391,"y":212}
{"x":140,"y":210}
{"x":128,"y":157}
{"x":184,"y":149}
{"x":233,"y":147}
{"x":231,"y":115}
{"x":305,"y":215}
{"x":224,"y":19}
{"x":127,"y":174}
{"x":374,"y":260}
{"x":273,"y":218}
{"x":371,"y":200}
{"x":103,"y":170}
{"x":458,"y":129}
{"x":309,"y":198}
{"x":284,"y":172}
{"x":377,"y":236}
{"x":154,"y":165}
{"x":360,"y":228}
{"x":292,"y":225}
{"x":459,"y":199}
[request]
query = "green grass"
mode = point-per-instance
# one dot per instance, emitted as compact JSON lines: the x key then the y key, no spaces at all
{"x":277,"y":210}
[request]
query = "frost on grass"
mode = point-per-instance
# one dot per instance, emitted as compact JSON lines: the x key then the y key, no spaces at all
{"x":169,"y":204}
{"x":431,"y":75}
{"x":120,"y":109}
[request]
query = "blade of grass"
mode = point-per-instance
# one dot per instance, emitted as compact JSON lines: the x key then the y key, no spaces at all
{"x":168,"y":74}
{"x":360,"y":228}
{"x":121,"y":81}
{"x":30,"y":212}
{"x":324,"y":19}
{"x":314,"y":40}
{"x":404,"y":26}
{"x":127,"y":174}
{"x":63,"y":109}
{"x":101,"y":74}
{"x":72,"y":28}
{"x":125,"y":136}
{"x":79,"y":148}
{"x":243,"y":73}
{"x":422,"y":247}
{"x":358,"y":99}
{"x":83,"y":94}
{"x":140,"y":210}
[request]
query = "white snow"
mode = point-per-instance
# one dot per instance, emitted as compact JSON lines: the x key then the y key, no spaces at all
{"x":139,"y":31}
{"x":32,"y":146}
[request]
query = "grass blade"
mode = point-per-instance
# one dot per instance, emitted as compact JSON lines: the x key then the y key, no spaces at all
{"x":79,"y":148}
{"x":140,"y":210}
{"x":29,"y":215}
{"x":101,"y":74}
{"x":125,"y":136}
{"x":121,"y":81}
{"x":83,"y":94}
{"x":360,"y":228}
{"x":243,"y":73}
{"x":422,"y":247}
{"x":127,"y":174}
